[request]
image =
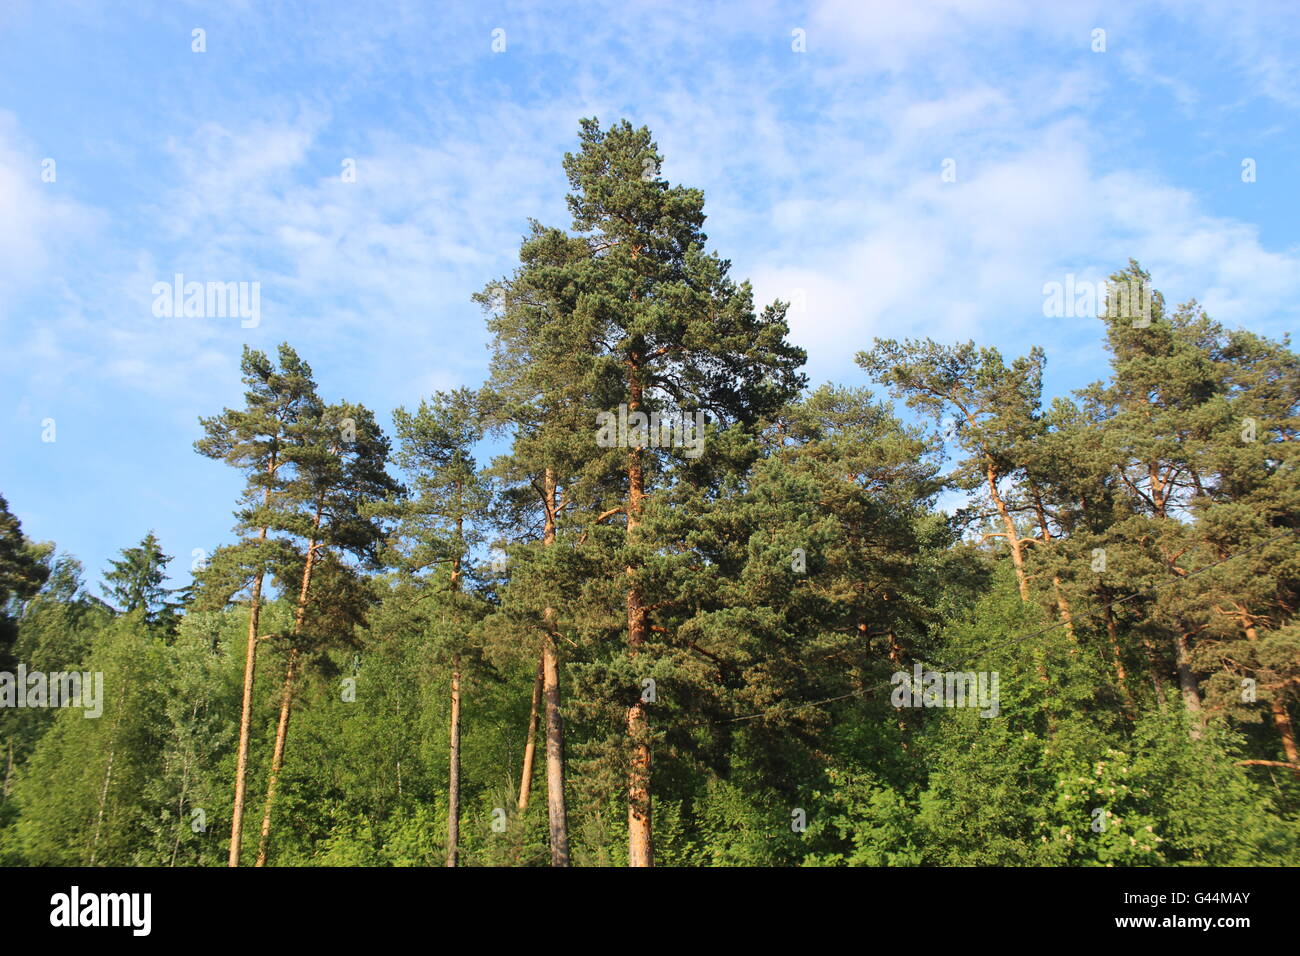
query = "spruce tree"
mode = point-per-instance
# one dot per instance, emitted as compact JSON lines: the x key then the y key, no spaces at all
{"x":136,"y":582}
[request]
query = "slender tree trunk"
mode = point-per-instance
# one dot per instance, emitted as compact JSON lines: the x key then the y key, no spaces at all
{"x":640,"y":830}
{"x":1045,"y":536}
{"x":103,"y":802}
{"x":556,"y":807}
{"x":1282,"y":721}
{"x":108,"y":777}
{"x":245,"y":724}
{"x":556,"y":810}
{"x":1153,"y":661}
{"x":896,"y":658}
{"x":530,"y":745}
{"x":1063,"y":607}
{"x":1187,"y":681}
{"x":286,"y":699}
{"x":1009,"y":525}
{"x":1112,"y":634}
{"x":277,"y":757}
{"x":1276,"y":704}
{"x":453,"y":733}
{"x":246,"y":706}
{"x":453,"y":785}
{"x":1159,"y":490}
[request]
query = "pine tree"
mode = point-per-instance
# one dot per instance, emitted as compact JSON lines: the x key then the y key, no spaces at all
{"x":339,"y":460}
{"x":253,"y":439}
{"x":439,"y":526}
{"x":1163,"y":380}
{"x":989,"y":407}
{"x":540,"y":394}
{"x":673,"y":335}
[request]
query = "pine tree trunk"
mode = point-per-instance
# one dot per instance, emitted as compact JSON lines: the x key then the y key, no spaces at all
{"x":530,"y":744}
{"x":453,"y":784}
{"x":1282,"y":721}
{"x":556,"y":807}
{"x":1013,"y":536}
{"x":245,"y":724}
{"x":1276,"y":704}
{"x":1112,"y":634}
{"x":1067,"y":618}
{"x":1153,"y":661}
{"x":640,"y":831}
{"x":1187,"y":681}
{"x":277,"y":757}
{"x":1045,"y":536}
{"x":286,"y":700}
{"x":246,"y":706}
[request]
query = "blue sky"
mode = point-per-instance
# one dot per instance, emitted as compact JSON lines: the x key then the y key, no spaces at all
{"x":821,"y":170}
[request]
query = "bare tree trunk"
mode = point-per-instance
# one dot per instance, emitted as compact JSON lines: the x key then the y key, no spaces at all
{"x":185,"y":788}
{"x":1276,"y":704}
{"x":1187,"y":681}
{"x":1282,"y":721}
{"x":1045,"y":536}
{"x":1153,"y":662}
{"x":556,"y":807}
{"x":103,"y":802}
{"x":1112,"y":634}
{"x":245,"y":724}
{"x":640,"y":830}
{"x":530,"y":745}
{"x":108,"y":776}
{"x":277,"y":757}
{"x":1067,"y":618}
{"x":286,"y":700}
{"x":453,"y":785}
{"x":453,"y":733}
{"x":246,"y":706}
{"x":1012,"y":535}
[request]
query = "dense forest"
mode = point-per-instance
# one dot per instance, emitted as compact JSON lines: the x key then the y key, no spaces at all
{"x":648,"y":596}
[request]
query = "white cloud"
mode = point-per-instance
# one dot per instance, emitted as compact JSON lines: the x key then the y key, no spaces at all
{"x":38,"y":220}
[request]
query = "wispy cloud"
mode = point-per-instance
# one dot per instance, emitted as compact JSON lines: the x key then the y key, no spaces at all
{"x":824,"y":172}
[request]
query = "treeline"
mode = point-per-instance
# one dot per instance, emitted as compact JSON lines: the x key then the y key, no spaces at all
{"x":674,"y":637}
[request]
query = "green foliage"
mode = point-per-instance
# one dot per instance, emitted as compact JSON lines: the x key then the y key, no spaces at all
{"x":135,"y":583}
{"x":1125,"y":563}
